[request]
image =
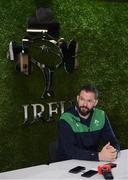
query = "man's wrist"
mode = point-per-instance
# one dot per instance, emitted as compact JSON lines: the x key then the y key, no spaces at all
{"x":100,"y":156}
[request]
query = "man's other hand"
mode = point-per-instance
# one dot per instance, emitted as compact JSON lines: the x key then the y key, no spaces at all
{"x":108,"y":153}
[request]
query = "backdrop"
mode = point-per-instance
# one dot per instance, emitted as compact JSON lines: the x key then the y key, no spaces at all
{"x":101,"y":28}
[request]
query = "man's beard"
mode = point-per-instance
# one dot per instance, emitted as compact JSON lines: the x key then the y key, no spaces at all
{"x":83,"y":110}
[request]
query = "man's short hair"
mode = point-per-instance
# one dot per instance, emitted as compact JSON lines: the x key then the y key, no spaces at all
{"x":90,"y":88}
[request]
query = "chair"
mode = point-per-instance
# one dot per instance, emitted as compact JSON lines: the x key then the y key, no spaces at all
{"x":53,"y":151}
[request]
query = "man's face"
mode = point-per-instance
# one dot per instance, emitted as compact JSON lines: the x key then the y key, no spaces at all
{"x":85,"y":102}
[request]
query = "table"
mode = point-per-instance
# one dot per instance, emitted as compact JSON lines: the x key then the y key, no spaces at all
{"x":59,"y":170}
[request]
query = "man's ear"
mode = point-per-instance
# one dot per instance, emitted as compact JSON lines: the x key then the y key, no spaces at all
{"x":96,"y":102}
{"x":77,"y":98}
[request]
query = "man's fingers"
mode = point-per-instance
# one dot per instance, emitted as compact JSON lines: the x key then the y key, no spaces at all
{"x":113,"y":155}
{"x":112,"y":150}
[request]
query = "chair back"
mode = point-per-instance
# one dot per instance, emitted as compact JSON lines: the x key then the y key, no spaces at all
{"x":53,"y":151}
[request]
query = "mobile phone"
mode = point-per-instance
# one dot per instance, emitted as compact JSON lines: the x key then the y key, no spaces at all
{"x":77,"y":169}
{"x":89,"y":173}
{"x":112,"y":164}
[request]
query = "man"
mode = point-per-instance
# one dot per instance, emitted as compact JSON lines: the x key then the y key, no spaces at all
{"x":82,"y":127}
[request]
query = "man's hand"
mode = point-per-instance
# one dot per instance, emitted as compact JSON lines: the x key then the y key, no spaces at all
{"x":108,"y":153}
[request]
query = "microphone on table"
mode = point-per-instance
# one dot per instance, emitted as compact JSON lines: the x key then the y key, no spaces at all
{"x":105,"y":170}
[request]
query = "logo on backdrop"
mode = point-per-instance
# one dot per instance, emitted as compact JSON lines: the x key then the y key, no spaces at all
{"x":39,"y":111}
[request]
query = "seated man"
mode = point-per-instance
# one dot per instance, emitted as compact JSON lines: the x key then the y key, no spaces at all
{"x":82,"y":127}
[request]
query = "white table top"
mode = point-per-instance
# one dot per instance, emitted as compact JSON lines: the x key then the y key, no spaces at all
{"x":59,"y":170}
